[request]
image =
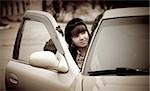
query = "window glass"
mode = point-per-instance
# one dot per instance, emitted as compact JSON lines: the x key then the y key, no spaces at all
{"x":121,"y":43}
{"x":35,"y":35}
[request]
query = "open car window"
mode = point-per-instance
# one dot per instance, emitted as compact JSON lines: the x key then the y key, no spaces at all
{"x":34,"y":37}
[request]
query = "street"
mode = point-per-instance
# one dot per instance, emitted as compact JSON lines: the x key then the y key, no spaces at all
{"x":7,"y":39}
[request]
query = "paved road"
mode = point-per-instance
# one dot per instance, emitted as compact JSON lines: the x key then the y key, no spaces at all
{"x":7,"y":39}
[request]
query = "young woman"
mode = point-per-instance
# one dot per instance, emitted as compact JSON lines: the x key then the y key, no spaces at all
{"x":77,"y":36}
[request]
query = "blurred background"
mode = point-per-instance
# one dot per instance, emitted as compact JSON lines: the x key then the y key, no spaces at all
{"x":64,"y":10}
{"x":11,"y":12}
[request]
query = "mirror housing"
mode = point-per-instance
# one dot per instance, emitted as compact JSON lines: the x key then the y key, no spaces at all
{"x":47,"y":60}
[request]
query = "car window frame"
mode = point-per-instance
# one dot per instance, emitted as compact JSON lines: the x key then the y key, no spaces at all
{"x":86,"y":64}
{"x":18,"y":40}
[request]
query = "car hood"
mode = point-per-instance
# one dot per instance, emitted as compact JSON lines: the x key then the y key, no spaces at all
{"x":116,"y":83}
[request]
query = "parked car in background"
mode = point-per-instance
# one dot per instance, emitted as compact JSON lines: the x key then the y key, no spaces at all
{"x":117,"y":58}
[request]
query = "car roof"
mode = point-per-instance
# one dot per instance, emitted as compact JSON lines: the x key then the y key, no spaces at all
{"x":125,"y":12}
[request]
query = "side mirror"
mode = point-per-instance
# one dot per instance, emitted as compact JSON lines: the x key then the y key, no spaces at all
{"x":48,"y":60}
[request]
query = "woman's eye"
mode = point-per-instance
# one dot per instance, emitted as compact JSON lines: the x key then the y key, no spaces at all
{"x":83,"y":32}
{"x":75,"y":36}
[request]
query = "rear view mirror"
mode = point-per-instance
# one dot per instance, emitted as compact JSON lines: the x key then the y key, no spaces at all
{"x":48,"y":60}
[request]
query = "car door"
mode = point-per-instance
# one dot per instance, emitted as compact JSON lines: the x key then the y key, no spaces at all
{"x":36,"y":29}
{"x":118,"y":59}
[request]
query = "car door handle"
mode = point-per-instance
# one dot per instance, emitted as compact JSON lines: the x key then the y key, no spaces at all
{"x":13,"y":79}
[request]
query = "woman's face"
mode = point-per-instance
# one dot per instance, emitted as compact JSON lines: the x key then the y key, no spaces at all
{"x":80,"y":36}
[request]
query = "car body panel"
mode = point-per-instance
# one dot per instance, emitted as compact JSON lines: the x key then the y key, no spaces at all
{"x":124,"y":12}
{"x":115,"y":83}
{"x":23,"y":76}
{"x":36,"y":78}
{"x":20,"y":75}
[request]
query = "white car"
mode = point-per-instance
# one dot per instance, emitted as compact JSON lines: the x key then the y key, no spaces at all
{"x":117,"y":58}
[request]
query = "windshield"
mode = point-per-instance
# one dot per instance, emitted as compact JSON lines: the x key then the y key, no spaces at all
{"x":120,"y":43}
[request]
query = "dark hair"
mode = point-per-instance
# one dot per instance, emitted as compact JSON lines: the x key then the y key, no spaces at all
{"x":95,"y":23}
{"x":69,"y":27}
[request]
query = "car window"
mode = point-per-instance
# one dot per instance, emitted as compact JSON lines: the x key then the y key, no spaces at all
{"x":34,"y":38}
{"x":121,"y":43}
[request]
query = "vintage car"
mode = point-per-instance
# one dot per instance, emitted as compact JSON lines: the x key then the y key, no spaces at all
{"x":117,"y":58}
